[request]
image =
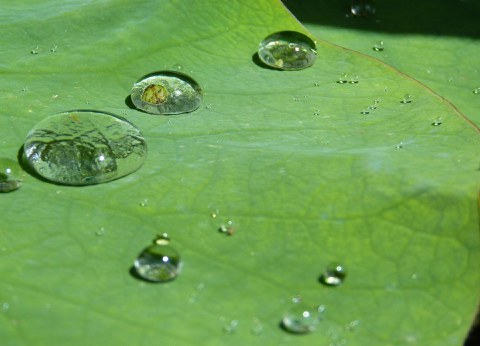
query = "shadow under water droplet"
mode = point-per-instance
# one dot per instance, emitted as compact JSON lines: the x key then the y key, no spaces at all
{"x":129,"y":102}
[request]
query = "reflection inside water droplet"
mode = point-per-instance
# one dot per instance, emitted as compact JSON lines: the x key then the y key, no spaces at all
{"x":334,"y":275}
{"x":287,"y":50}
{"x":301,"y":318}
{"x":158,"y":262}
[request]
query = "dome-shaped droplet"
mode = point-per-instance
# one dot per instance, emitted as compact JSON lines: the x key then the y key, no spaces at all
{"x":84,"y":148}
{"x":158,"y":262}
{"x":301,"y":318}
{"x":11,"y":175}
{"x":166,"y":92}
{"x":334,"y":275}
{"x":287,"y":50}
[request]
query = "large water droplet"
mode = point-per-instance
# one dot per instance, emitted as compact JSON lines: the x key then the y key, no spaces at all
{"x":301,"y":318}
{"x":11,"y":175}
{"x":158,"y":262}
{"x":362,"y":8}
{"x":166,"y":92}
{"x":84,"y":148}
{"x":287,"y":50}
{"x":334,"y":275}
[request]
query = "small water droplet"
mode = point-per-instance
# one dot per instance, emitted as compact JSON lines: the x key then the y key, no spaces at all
{"x":100,"y":232}
{"x":11,"y":175}
{"x":353,"y":326}
{"x":54,"y":97}
{"x":25,"y":88}
{"x":372,"y":107}
{"x":84,"y":148}
{"x":177,"y":67}
{"x":413,"y":277}
{"x":353,"y":80}
{"x":317,"y":112}
{"x":437,"y":122}
{"x":407,"y":98}
{"x":209,"y":106}
{"x":365,"y":111}
{"x":362,"y":8}
{"x":214,"y":213}
{"x":399,"y":145}
{"x":166,"y":92}
{"x":316,"y":84}
{"x":159,"y":262}
{"x":379,"y":46}
{"x":35,"y":50}
{"x":144,"y":202}
{"x":334,"y":275}
{"x":54,"y":49}
{"x":227,"y":228}
{"x":257,"y":328}
{"x":343,"y":78}
{"x":287,"y":50}
{"x":301,"y":318}
{"x":476,"y":91}
{"x":230,"y":327}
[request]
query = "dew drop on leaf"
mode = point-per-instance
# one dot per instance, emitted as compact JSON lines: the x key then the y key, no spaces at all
{"x":11,"y":175}
{"x":476,"y":91}
{"x":84,"y":148}
{"x":378,"y":46}
{"x":166,"y":92}
{"x":407,"y":98}
{"x":437,"y":122}
{"x":159,"y":262}
{"x":301,"y":318}
{"x":362,"y":8}
{"x":333,"y":275}
{"x":287,"y":50}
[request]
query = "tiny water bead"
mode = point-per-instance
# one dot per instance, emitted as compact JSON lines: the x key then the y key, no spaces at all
{"x":344,"y":78}
{"x":227,"y":228}
{"x":407,"y":98}
{"x":437,"y":122}
{"x":334,"y":275}
{"x":301,"y":318}
{"x":167,"y":92}
{"x":84,"y":148}
{"x":378,"y":46}
{"x":476,"y":91}
{"x":158,"y":262}
{"x":287,"y":50}
{"x":362,"y":8}
{"x":11,"y":175}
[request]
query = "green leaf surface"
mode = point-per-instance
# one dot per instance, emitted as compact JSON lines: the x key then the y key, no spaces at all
{"x":287,"y":156}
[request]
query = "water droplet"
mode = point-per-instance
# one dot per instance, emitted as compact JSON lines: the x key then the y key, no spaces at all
{"x":54,"y":97}
{"x":5,"y":306}
{"x":316,"y":84}
{"x":100,"y":232}
{"x":437,"y":122}
{"x":365,"y":111}
{"x":144,"y":202}
{"x":84,"y":148}
{"x":209,"y":106}
{"x":295,"y":98}
{"x":301,"y":318}
{"x":227,"y":228}
{"x":317,"y":112}
{"x":287,"y":50}
{"x":343,"y":78}
{"x":166,"y":92}
{"x":476,"y":91}
{"x":158,"y":262}
{"x":230,"y":327}
{"x":25,"y":88}
{"x":177,"y":67}
{"x":214,"y":213}
{"x":54,"y":49}
{"x":353,"y":326}
{"x":35,"y":50}
{"x":378,"y":46}
{"x":362,"y":8}
{"x":334,"y":275}
{"x":407,"y":98}
{"x":372,"y":107}
{"x":399,"y":145}
{"x":257,"y":328}
{"x":353,"y":80}
{"x":11,"y":175}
